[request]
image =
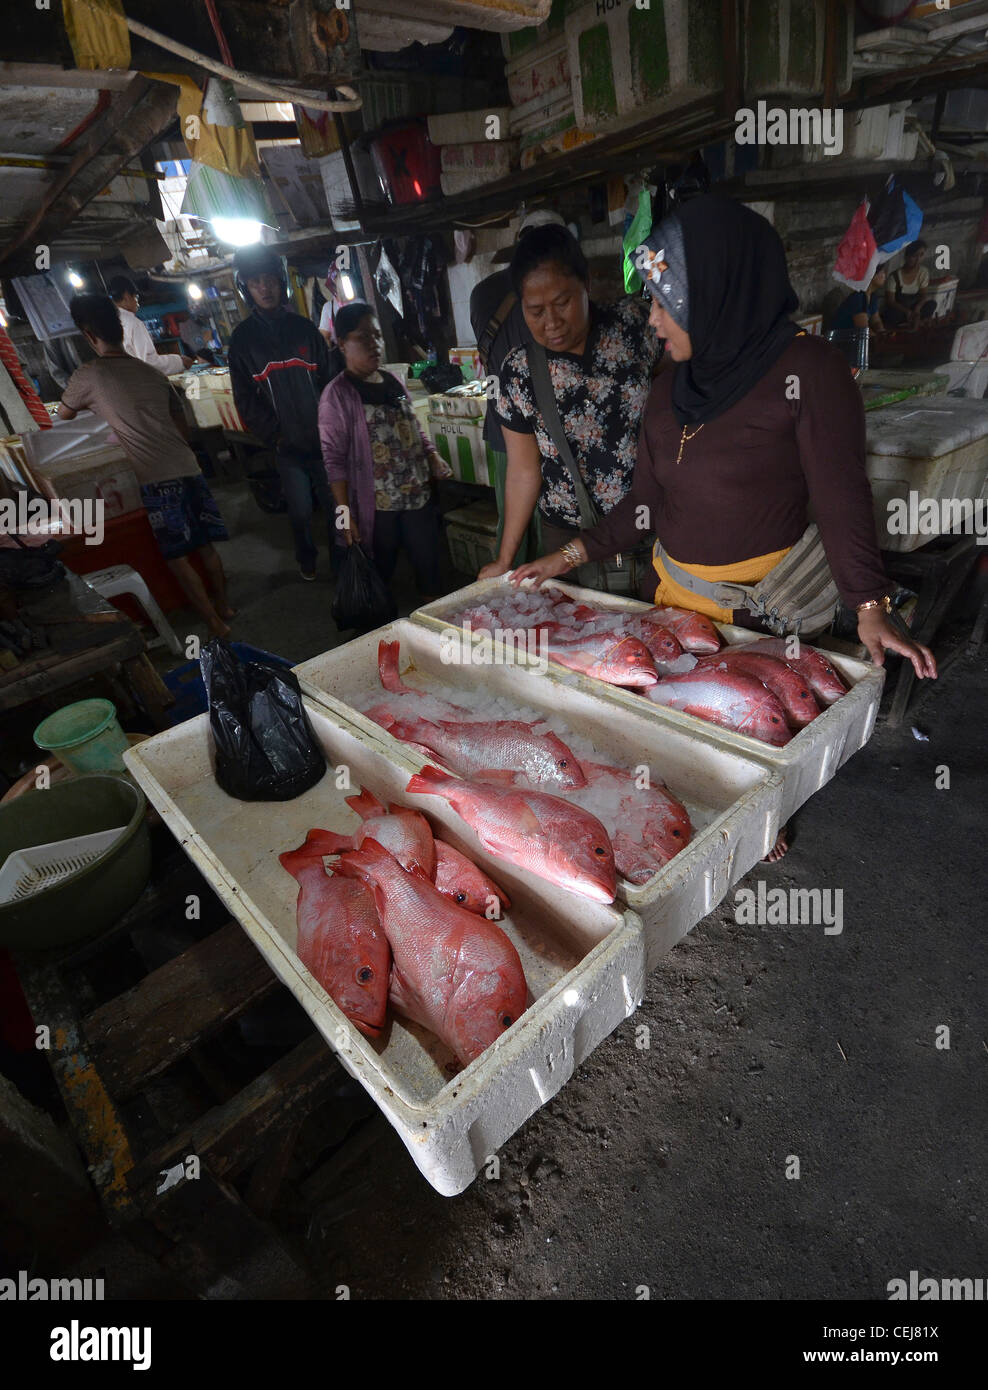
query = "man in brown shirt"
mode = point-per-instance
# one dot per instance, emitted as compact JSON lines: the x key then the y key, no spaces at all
{"x":137,"y":403}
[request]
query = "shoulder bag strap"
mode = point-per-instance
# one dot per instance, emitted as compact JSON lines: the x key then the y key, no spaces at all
{"x":486,"y":340}
{"x":545,"y":399}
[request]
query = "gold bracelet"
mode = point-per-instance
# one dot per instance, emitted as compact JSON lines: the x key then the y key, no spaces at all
{"x":572,"y":555}
{"x":884,"y":603}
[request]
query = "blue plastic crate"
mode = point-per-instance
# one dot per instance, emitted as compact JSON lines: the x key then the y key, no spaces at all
{"x":186,"y":683}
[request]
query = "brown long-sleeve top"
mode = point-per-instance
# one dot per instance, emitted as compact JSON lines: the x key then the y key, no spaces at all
{"x":745,"y":481}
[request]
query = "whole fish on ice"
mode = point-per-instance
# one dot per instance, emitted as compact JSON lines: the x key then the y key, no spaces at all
{"x":498,"y":745}
{"x":695,"y":632}
{"x":456,"y":973}
{"x":727,"y":698}
{"x":825,"y":680}
{"x":790,"y":688}
{"x":543,"y":833}
{"x":653,"y":825}
{"x":340,"y":938}
{"x":606,"y":656}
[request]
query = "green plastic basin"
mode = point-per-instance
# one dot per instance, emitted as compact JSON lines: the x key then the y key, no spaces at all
{"x":87,"y":902}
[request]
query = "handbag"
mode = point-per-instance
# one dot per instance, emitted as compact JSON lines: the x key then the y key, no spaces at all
{"x":621,"y":573}
{"x":797,"y":595}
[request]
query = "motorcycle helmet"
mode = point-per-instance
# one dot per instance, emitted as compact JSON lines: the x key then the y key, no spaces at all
{"x":251,"y":261}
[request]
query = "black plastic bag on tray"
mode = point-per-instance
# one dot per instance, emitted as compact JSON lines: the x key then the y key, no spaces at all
{"x":266,"y":749}
{"x":362,"y":600}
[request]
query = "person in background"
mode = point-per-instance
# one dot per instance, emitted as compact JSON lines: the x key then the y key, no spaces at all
{"x":137,"y":340}
{"x":862,"y":309}
{"x":279,"y":365}
{"x":499,"y":326}
{"x":196,"y":333}
{"x":600,"y":367}
{"x":378,"y":462}
{"x":907,"y":297}
{"x":144,"y":413}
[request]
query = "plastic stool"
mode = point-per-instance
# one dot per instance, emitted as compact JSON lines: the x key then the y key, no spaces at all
{"x":121,"y":579}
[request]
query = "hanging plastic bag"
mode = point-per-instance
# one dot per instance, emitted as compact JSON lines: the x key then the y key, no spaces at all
{"x":265,"y":746}
{"x":363,"y":600}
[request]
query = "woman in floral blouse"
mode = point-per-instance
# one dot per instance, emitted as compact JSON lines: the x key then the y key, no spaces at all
{"x":600,"y":366}
{"x":378,"y":462}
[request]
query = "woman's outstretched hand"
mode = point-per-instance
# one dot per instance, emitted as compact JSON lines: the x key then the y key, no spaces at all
{"x":494,"y":570}
{"x":879,"y":635}
{"x":545,"y":567}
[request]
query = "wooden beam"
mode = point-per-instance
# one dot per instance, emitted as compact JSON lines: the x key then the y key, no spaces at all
{"x":136,"y":116}
{"x":141,"y":1032}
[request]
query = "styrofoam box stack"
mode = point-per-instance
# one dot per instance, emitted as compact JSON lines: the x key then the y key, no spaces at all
{"x":733,"y":801}
{"x":584,"y":962}
{"x":805,"y":764}
{"x":936,"y":448}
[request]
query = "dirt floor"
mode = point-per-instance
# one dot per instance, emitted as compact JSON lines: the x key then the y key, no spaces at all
{"x":666,"y":1167}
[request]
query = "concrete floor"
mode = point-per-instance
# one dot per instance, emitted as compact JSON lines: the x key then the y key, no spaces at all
{"x":667,"y":1167}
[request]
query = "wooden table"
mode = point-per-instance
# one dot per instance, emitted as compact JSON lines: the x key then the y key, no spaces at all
{"x":94,"y":640}
{"x":148,"y":1087}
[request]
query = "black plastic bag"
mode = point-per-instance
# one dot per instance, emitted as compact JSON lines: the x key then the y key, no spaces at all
{"x":265,"y":746}
{"x":362,"y":600}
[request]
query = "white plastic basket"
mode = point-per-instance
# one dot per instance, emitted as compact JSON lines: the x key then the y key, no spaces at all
{"x":29,"y":871}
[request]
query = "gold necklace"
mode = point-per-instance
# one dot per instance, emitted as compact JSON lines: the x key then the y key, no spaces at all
{"x":684,"y":438}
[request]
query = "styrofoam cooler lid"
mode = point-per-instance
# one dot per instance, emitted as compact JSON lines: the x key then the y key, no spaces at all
{"x":926,"y":428}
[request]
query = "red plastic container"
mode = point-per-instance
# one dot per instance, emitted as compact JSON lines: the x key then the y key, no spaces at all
{"x":407,"y":162}
{"x":129,"y":540}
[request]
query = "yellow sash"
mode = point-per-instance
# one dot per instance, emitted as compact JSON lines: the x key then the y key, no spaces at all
{"x":672,"y":595}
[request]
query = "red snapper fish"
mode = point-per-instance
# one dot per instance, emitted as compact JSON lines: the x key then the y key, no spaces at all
{"x":340,"y":939}
{"x":607,"y":656}
{"x":654,"y":826}
{"x":496,"y":745}
{"x":695,"y":632}
{"x":825,"y":680}
{"x":404,"y":833}
{"x":454,"y":972}
{"x":539,"y":832}
{"x":459,"y":879}
{"x":727,"y":698}
{"x":661,"y":642}
{"x":387,"y":666}
{"x":790,"y":688}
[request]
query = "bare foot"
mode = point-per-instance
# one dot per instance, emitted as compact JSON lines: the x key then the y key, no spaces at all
{"x":219,"y":628}
{"x":780,"y":847}
{"x":227,"y":612}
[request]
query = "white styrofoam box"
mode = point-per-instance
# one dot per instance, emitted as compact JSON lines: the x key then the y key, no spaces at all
{"x":339,"y":194}
{"x":943,"y":292}
{"x":538,"y":70}
{"x":784,"y":43}
{"x":805,"y":764}
{"x":490,"y":159}
{"x":970,"y":342}
{"x":733,"y":801}
{"x":936,"y":447}
{"x":866,"y":132}
{"x":584,"y":962}
{"x":969,"y":378}
{"x":629,"y":62}
{"x":464,"y":127}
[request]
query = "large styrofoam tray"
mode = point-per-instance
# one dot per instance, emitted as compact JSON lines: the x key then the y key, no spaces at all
{"x":733,"y":801}
{"x":806,"y":763}
{"x":584,"y":962}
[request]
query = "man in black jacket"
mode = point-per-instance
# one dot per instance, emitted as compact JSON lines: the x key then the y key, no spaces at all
{"x":279,"y":365}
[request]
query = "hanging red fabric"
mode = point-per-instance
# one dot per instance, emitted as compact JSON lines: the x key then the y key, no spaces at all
{"x":30,"y":397}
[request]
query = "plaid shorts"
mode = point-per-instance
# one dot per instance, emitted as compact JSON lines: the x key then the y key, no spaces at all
{"x":183,"y":515}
